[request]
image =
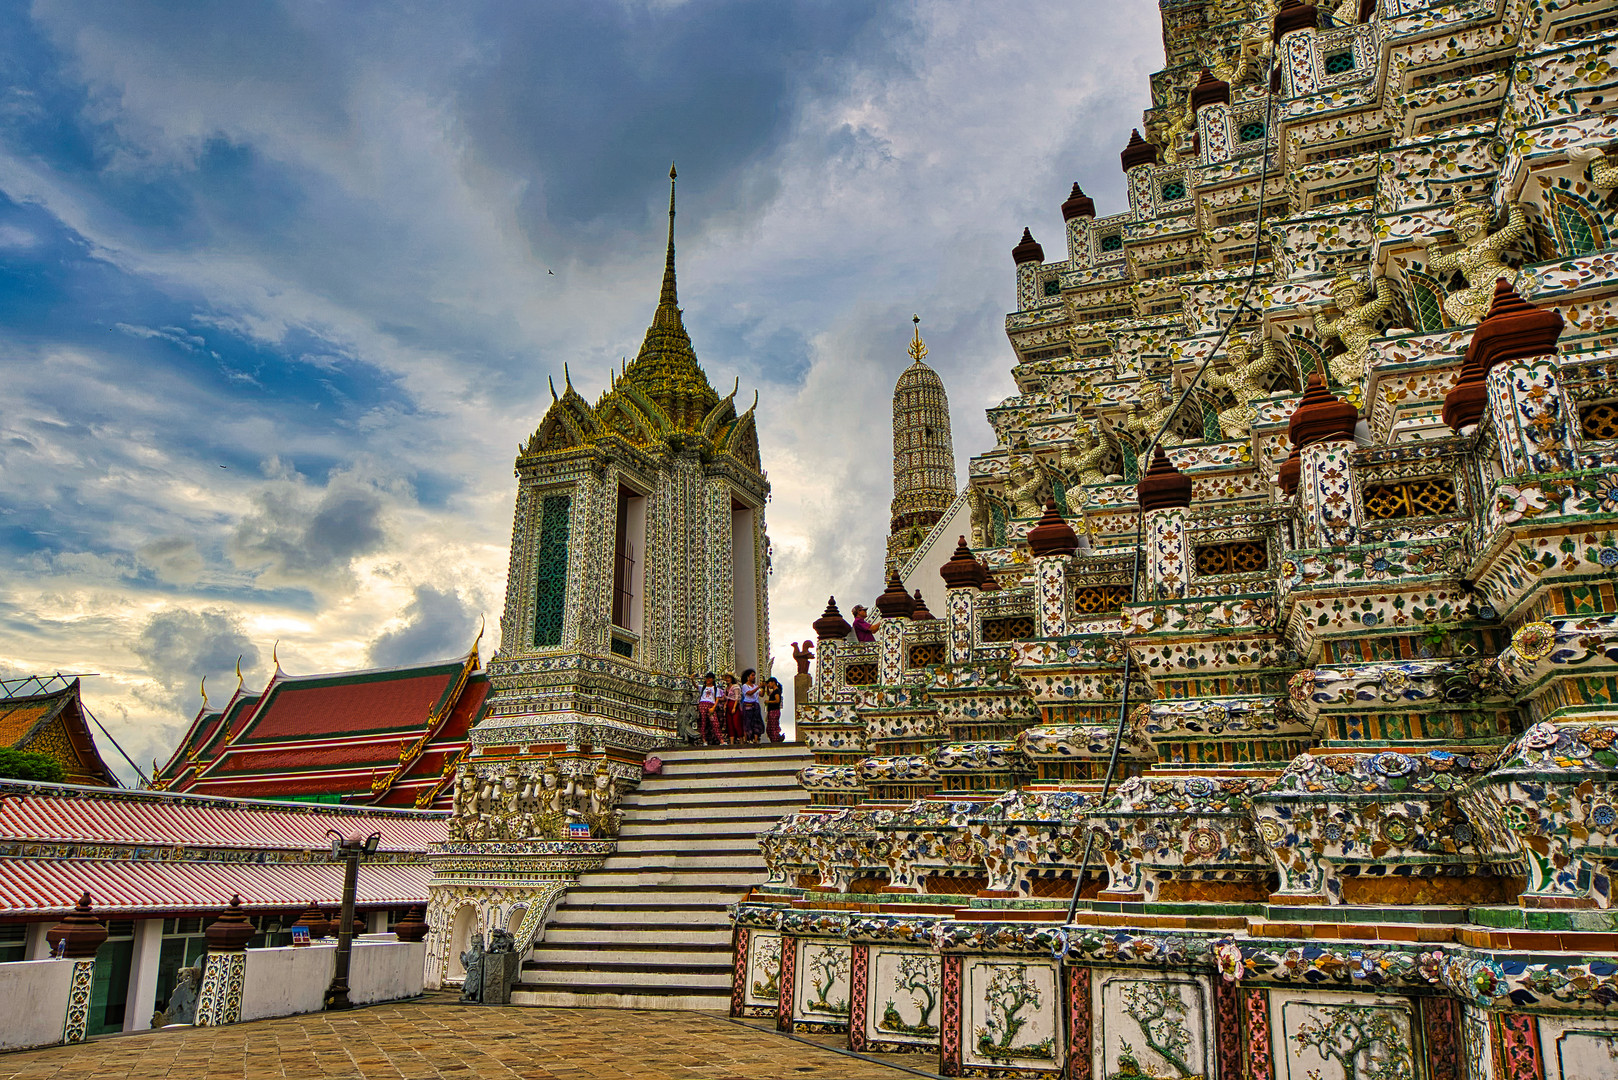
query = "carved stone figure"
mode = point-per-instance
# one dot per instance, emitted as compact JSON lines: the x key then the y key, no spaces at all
{"x":1355,"y":326}
{"x":1480,"y":260}
{"x":982,"y":516}
{"x":472,"y":961}
{"x":803,"y":654}
{"x":498,"y":968}
{"x":1242,"y":378}
{"x":1148,"y":417}
{"x":600,"y":808}
{"x":1082,"y":458}
{"x":1029,"y":482}
{"x":182,"y":1007}
{"x":1240,"y":68}
{"x":464,"y":807}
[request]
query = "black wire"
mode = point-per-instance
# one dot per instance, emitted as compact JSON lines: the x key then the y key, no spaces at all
{"x":1140,"y":517}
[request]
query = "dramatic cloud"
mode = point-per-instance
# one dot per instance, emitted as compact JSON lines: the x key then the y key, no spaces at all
{"x":180,"y":648}
{"x":281,"y":286}
{"x":436,"y":625}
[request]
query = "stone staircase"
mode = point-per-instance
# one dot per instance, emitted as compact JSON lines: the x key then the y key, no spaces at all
{"x":648,"y":930}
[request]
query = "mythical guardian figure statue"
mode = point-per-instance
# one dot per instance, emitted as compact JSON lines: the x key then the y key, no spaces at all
{"x":1030,"y":480}
{"x":1603,"y":165}
{"x":1355,"y":326}
{"x":1243,"y":378}
{"x":1152,"y":413}
{"x":1082,"y":458}
{"x":1479,"y":260}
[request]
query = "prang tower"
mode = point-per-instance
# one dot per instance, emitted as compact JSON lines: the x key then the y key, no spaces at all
{"x":923,"y":455}
{"x":638,"y":562}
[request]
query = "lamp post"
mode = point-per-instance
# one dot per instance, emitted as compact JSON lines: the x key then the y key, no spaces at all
{"x":349,"y":850}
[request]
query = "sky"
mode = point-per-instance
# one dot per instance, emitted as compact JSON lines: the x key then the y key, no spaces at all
{"x":282,"y":285}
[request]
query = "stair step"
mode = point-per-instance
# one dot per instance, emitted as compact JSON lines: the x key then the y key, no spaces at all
{"x":597,"y":933}
{"x":564,"y":976}
{"x":623,"y":997}
{"x":604,"y":955}
{"x":629,"y":875}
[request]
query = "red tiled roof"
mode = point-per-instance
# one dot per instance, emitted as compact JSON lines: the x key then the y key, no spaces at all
{"x":297,"y":708}
{"x":44,"y":887}
{"x":88,"y":815}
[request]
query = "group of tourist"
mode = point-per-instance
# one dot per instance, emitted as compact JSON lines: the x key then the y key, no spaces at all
{"x":740,"y":712}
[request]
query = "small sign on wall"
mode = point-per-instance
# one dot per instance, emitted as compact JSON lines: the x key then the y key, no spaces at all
{"x":300,"y":935}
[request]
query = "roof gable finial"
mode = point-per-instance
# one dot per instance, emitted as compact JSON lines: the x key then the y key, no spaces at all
{"x":918,"y":349}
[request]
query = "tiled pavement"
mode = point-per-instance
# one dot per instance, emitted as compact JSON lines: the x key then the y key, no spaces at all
{"x":435,"y":1037}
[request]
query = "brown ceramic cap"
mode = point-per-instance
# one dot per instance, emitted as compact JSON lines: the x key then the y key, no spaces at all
{"x":1027,"y":250}
{"x":1291,"y":469}
{"x":315,"y":919}
{"x":413,"y":927}
{"x":895,"y":603}
{"x":961,"y":572}
{"x":1138,"y":152}
{"x":831,"y":623}
{"x":920,"y":613}
{"x":1294,"y":15}
{"x":1209,"y":91}
{"x":1163,"y":487}
{"x":1320,"y":416}
{"x":82,"y":932}
{"x":1514,"y":329}
{"x":231,"y":931}
{"x":987,"y":581}
{"x":1078,"y":204}
{"x":1052,"y":535}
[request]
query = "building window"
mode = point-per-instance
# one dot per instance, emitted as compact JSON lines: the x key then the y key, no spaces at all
{"x":1053,"y":287}
{"x":1577,"y":233}
{"x":926,"y":653}
{"x":859,"y":675}
{"x":1240,"y":557}
{"x":628,"y":573}
{"x":13,"y":942}
{"x":1251,"y":131}
{"x":1100,"y":599}
{"x":550,"y":570}
{"x":1410,"y":498}
{"x":1174,"y":191}
{"x":1112,"y":242}
{"x":1010,"y":628}
{"x":623,"y":647}
{"x":1599,"y":421}
{"x":1339,"y":63}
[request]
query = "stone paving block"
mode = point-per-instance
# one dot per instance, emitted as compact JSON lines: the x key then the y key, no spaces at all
{"x":436,"y":1037}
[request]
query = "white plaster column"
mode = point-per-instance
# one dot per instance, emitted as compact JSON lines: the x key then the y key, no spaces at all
{"x":1326,"y":489}
{"x":148,"y":950}
{"x":1533,"y":417}
{"x":1168,"y":553}
{"x":38,"y":948}
{"x":377,"y":921}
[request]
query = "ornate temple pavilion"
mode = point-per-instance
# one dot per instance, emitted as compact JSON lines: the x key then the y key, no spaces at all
{"x":47,"y":716}
{"x":1267,"y":728}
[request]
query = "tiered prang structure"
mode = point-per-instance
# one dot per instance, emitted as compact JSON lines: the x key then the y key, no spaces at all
{"x":923,"y":456}
{"x":638,"y":563}
{"x":1284,"y":646}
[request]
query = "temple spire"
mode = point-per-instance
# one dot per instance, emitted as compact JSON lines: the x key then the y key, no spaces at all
{"x":670,"y":298}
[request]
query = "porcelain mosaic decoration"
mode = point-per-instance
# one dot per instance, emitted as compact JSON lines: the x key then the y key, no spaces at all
{"x":1283,"y":745}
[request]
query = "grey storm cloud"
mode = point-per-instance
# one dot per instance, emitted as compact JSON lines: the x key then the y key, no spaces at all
{"x":293,"y":539}
{"x":179,"y":647}
{"x":174,"y":559}
{"x":437,"y":625}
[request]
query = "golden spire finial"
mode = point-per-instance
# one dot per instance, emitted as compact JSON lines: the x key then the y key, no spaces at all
{"x":482,"y":622}
{"x":918,"y":350}
{"x":204,"y":690}
{"x":238,"y":673}
{"x":670,"y":295}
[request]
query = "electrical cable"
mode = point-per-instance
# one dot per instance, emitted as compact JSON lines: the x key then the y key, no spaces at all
{"x":1141,"y":466}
